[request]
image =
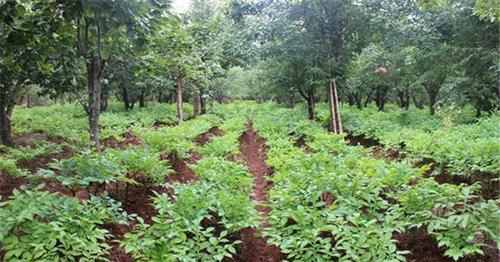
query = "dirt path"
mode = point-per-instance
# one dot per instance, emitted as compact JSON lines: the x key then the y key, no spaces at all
{"x":254,"y":152}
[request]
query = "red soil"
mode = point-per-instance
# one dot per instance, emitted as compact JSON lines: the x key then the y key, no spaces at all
{"x":130,"y":139}
{"x":183,"y":173}
{"x":424,"y":248}
{"x":44,"y":161}
{"x":379,"y":152}
{"x":204,"y":138}
{"x":159,"y":124}
{"x":118,"y":231}
{"x":361,"y":140}
{"x":327,"y":197}
{"x":489,"y":189}
{"x":8,"y":184}
{"x":254,"y":153}
{"x":29,"y":138}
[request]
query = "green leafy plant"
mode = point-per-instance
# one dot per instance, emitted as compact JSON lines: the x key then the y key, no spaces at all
{"x":84,"y":170}
{"x":198,"y":226}
{"x":40,"y":226}
{"x":142,"y":161}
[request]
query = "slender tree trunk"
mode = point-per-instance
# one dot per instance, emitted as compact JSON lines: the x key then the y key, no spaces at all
{"x":142,"y":99}
{"x":359,"y":101}
{"x":125,"y":99}
{"x":155,"y":98}
{"x":416,"y":102}
{"x":160,"y":97}
{"x":368,"y":98}
{"x":180,"y":113}
{"x":104,"y":100}
{"x":380,"y":98}
{"x":5,"y":123}
{"x":432,"y":103}
{"x":351,"y":100}
{"x":332,"y":123}
{"x":407,"y":99}
{"x":203,"y":102}
{"x":338,"y":120}
{"x":311,"y":104}
{"x":173,"y":97}
{"x":196,"y":102}
{"x":93,"y":72}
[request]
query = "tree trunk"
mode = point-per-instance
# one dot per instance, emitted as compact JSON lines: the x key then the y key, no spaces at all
{"x":93,"y":72}
{"x":416,"y":102}
{"x":380,"y":98}
{"x":432,"y":103}
{"x":310,"y":104}
{"x":5,"y":123}
{"x":196,"y":102}
{"x":407,"y":99}
{"x":432,"y":108}
{"x":332,"y":123}
{"x":359,"y":101}
{"x":203,"y":102}
{"x":173,"y":97}
{"x":180,"y":113}
{"x":336,"y":101}
{"x":104,"y":100}
{"x":142,"y":99}
{"x":155,"y":98}
{"x":368,"y":98}
{"x":125,"y":99}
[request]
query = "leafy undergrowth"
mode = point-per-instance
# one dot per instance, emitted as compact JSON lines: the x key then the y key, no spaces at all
{"x":184,"y":192}
{"x":370,"y":199}
{"x":461,"y":149}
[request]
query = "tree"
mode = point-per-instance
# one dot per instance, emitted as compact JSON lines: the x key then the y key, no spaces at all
{"x":97,"y":24}
{"x":28,"y":35}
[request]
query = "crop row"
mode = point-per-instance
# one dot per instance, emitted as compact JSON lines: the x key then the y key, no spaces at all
{"x":453,"y":140}
{"x":331,"y":201}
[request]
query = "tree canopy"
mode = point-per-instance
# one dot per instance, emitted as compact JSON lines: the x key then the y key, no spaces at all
{"x":412,"y":53}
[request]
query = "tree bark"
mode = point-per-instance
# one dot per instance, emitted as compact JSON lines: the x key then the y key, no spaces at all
{"x":5,"y":123}
{"x":432,"y":103}
{"x":416,"y":102}
{"x":125,"y":99}
{"x":203,"y":102}
{"x":180,"y":113}
{"x":155,"y":98}
{"x":359,"y":101}
{"x":368,"y":98}
{"x":335,"y":122}
{"x":104,"y":100}
{"x":311,"y":104}
{"x":142,"y":99}
{"x":196,"y":102}
{"x":332,"y":123}
{"x":338,"y":120}
{"x":380,"y":98}
{"x":94,"y":67}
